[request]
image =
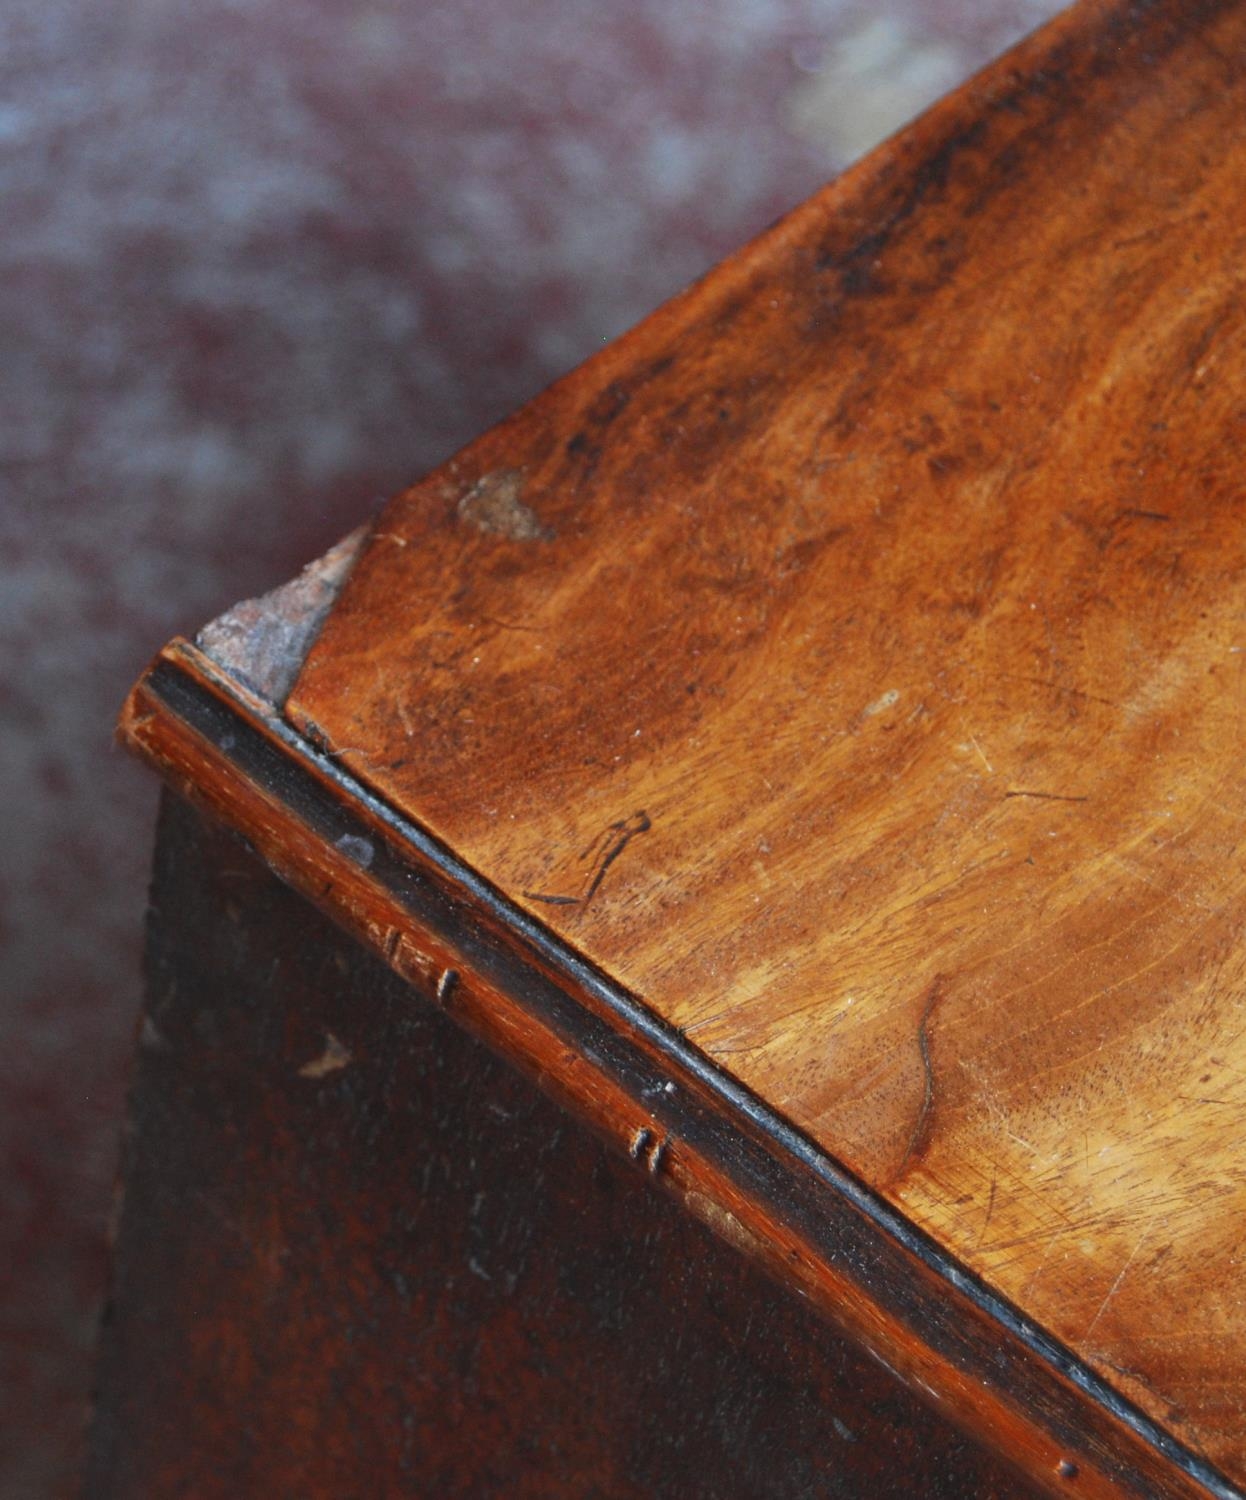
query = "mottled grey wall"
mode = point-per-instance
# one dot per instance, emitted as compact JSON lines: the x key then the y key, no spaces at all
{"x":261,"y":263}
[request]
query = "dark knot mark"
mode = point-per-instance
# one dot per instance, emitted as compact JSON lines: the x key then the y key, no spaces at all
{"x":607,"y":847}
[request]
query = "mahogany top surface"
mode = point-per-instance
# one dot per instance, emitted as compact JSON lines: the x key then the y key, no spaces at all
{"x":849,"y":661}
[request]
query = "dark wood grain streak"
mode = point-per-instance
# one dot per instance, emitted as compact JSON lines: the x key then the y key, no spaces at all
{"x":770,"y":1192}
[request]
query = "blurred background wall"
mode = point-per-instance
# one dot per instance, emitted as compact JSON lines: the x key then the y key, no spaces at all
{"x":260,"y":264}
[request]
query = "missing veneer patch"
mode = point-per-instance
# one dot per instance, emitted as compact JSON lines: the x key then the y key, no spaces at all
{"x":263,"y":642}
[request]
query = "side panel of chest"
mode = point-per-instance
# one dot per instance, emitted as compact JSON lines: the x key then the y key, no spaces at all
{"x":357,"y":1255}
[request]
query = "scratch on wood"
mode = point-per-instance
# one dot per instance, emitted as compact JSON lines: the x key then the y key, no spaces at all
{"x":921,"y":1126}
{"x":404,"y":718}
{"x":1133,"y":514}
{"x":608,"y":844}
{"x":1061,"y":689}
{"x":1114,"y":1288}
{"x":1045,"y":796}
{"x":982,"y":755}
{"x":990,"y":1209}
{"x":623,"y":833}
{"x":511,"y":625}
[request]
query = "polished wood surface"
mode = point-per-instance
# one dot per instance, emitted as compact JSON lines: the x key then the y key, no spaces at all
{"x":651,"y":1095}
{"x":849,"y":664}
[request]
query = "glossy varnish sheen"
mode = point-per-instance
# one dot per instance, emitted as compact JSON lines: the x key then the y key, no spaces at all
{"x":849,"y":662}
{"x":649,"y":1093}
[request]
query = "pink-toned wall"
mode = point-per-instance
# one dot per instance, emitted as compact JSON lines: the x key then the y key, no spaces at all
{"x":261,"y":263}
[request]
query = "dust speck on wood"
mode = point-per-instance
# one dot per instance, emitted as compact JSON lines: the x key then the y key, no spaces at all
{"x":334,"y":1057}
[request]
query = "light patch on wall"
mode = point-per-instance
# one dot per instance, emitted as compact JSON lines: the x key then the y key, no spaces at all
{"x":874,"y":79}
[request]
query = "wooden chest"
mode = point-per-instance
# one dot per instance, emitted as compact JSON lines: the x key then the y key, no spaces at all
{"x":806,"y":743}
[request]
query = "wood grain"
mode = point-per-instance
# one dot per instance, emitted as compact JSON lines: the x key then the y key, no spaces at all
{"x":733,"y":1163}
{"x":849,"y":663}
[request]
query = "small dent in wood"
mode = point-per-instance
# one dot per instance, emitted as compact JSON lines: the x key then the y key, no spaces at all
{"x":647,"y":1148}
{"x":447,"y":983}
{"x":881,"y":704}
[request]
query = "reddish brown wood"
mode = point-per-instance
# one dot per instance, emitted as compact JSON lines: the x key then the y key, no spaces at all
{"x":771,"y":1196}
{"x":849,"y":663}
{"x":359,"y":1256}
{"x":827,"y":702}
